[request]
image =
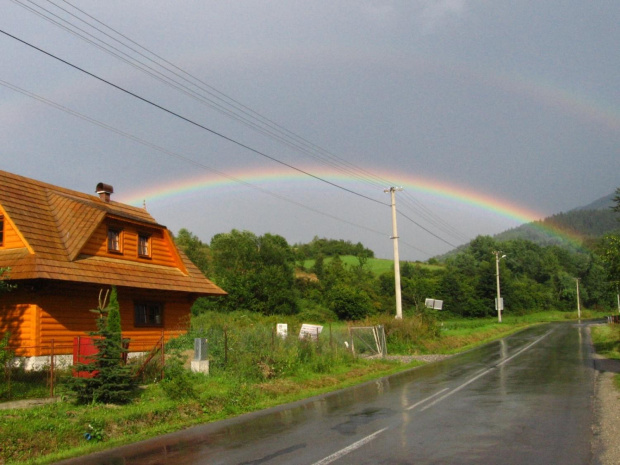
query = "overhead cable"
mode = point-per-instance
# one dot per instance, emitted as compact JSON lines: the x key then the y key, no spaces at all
{"x":182,"y":157}
{"x":250,"y":117}
{"x":190,"y":121}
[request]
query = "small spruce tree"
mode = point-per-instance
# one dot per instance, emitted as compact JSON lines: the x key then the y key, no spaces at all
{"x":114,"y":319}
{"x":109,"y":380}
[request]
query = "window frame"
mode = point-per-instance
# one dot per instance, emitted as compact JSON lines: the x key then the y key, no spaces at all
{"x":146,"y":237}
{"x":146,"y":319}
{"x":119,"y":240}
{"x":1,"y":230}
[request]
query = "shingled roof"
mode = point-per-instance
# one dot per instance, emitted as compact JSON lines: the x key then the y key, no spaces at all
{"x":55,"y":224}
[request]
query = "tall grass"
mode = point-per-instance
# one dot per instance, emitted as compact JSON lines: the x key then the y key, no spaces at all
{"x":248,"y":347}
{"x":606,"y":340}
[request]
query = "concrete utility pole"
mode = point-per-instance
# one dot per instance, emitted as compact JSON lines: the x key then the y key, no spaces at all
{"x":578,"y":303}
{"x":499,"y":304}
{"x":399,"y":301}
{"x":617,"y":293}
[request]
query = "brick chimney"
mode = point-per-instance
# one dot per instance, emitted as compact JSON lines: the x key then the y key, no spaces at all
{"x":104,"y":191}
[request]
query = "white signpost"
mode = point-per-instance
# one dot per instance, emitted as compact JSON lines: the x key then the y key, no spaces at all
{"x":310,"y":331}
{"x":282,"y":330}
{"x":434,"y":304}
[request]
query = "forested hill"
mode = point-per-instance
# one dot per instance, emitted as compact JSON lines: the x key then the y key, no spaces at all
{"x":583,"y":223}
{"x":587,"y":222}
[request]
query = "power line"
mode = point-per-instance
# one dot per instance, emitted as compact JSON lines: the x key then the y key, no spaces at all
{"x":408,"y":201}
{"x":192,"y":122}
{"x":282,"y":134}
{"x":427,"y":230}
{"x":184,"y":158}
{"x":191,"y":161}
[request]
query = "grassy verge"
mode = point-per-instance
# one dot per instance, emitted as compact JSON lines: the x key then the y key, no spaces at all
{"x":458,"y":335}
{"x":606,"y":341}
{"x":53,"y":432}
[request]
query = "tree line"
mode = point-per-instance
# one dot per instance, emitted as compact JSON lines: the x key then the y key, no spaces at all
{"x":265,"y":274}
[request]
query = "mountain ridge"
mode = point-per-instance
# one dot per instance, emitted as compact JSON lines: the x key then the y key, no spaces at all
{"x":568,"y":229}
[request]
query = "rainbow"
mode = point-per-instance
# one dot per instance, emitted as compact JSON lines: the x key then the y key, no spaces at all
{"x":258,"y":178}
{"x":539,"y":89}
{"x":270,"y":181}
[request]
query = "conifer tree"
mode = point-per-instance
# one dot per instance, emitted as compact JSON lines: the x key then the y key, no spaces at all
{"x":114,"y":318}
{"x":108,"y":380}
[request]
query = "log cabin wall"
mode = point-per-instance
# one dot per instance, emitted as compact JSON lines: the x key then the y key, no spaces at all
{"x":19,"y":319}
{"x":60,"y":311}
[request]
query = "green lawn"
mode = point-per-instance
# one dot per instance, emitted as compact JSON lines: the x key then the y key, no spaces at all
{"x":377,"y":265}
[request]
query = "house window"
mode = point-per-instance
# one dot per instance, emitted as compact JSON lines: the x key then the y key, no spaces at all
{"x":148,"y":314}
{"x":114,"y":240}
{"x":144,"y":245}
{"x":1,"y":230}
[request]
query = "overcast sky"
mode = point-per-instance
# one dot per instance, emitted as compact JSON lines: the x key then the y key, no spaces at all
{"x":292,"y":117}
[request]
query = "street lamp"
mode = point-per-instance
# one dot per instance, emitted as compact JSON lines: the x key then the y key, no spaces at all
{"x":499,"y":304}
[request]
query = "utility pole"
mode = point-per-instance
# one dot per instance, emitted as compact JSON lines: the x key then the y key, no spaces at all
{"x":578,"y":303}
{"x":498,"y":303}
{"x":617,"y":294}
{"x":399,"y":301}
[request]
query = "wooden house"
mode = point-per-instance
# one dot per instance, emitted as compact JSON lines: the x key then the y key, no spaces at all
{"x":63,"y":247}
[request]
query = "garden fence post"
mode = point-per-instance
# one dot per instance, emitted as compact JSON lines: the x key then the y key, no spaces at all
{"x":163,"y":356}
{"x":226,"y":346}
{"x":9,"y":368}
{"x":331,"y":342}
{"x":52,"y":370}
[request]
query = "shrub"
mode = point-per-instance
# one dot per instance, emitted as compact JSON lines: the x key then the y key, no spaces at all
{"x":408,"y":334}
{"x":349,"y":303}
{"x":178,"y":383}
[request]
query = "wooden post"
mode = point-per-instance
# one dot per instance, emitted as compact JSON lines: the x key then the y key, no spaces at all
{"x":163,"y":356}
{"x":331,"y":341}
{"x":9,"y":367}
{"x":52,"y":370}
{"x":225,"y":347}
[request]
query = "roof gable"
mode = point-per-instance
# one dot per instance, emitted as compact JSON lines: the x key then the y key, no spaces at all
{"x":12,"y":238}
{"x":75,"y":221}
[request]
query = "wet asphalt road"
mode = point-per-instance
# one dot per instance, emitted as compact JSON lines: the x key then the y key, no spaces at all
{"x":526,"y":399}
